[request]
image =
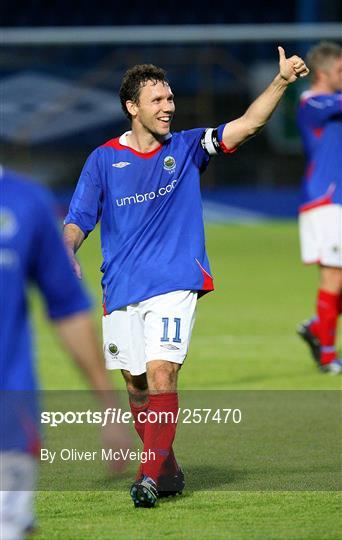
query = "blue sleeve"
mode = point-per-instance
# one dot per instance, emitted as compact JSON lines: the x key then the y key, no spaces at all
{"x":317,"y":111}
{"x":192,"y":138}
{"x":204,"y":143}
{"x":86,"y":204}
{"x":51,"y":268}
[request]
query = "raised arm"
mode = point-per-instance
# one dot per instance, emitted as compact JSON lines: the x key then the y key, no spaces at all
{"x":258,"y":113}
{"x":73,"y":238}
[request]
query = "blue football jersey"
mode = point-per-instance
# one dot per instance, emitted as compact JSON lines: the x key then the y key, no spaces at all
{"x":31,"y":251}
{"x":320,"y":124}
{"x":152,"y":232}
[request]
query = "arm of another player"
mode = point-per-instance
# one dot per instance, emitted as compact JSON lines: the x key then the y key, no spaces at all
{"x":259,"y":112}
{"x":77,"y":333}
{"x":69,"y":310}
{"x":73,"y":238}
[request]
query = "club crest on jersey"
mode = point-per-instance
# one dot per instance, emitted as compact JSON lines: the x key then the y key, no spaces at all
{"x":169,"y":164}
{"x":113,"y":349}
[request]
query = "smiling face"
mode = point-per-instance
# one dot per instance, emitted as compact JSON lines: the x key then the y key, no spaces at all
{"x":154,"y":109}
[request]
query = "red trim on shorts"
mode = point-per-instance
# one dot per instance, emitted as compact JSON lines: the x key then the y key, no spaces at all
{"x":115,"y":143}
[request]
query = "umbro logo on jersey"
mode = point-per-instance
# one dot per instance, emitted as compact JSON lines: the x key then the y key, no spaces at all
{"x":121,"y":164}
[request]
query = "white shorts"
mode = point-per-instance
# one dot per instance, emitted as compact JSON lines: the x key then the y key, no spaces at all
{"x":320,"y":232}
{"x":155,"y":329}
{"x":18,"y":472}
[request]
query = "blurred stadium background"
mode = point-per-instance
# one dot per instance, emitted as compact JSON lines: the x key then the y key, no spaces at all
{"x":61,"y":69}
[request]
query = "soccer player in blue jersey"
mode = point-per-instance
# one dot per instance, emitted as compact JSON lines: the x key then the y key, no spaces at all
{"x":32,"y":251}
{"x":320,"y":217}
{"x":145,"y":188}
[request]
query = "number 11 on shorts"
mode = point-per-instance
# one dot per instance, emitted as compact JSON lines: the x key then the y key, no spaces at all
{"x":165,"y":336}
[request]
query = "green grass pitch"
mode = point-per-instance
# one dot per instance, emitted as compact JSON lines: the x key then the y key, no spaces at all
{"x":244,"y":339}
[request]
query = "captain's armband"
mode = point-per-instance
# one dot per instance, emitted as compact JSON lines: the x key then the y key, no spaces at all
{"x":210,"y":142}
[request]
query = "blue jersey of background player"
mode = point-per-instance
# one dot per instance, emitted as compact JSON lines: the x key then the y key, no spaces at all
{"x":320,"y":124}
{"x":31,"y":252}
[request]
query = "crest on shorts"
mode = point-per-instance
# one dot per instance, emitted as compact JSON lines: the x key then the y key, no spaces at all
{"x":169,"y":163}
{"x":113,"y":349}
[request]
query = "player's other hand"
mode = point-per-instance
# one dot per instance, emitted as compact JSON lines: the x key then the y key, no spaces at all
{"x":291,"y":68}
{"x":74,"y":263}
{"x":117,"y":438}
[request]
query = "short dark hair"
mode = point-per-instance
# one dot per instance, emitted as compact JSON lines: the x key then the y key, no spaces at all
{"x":321,"y":54}
{"x":137,"y":77}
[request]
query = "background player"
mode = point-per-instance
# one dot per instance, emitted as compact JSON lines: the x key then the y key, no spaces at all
{"x":145,"y":187}
{"x":31,"y":250}
{"x":320,"y":219}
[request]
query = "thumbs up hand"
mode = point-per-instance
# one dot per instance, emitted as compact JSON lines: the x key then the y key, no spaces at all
{"x":291,"y":68}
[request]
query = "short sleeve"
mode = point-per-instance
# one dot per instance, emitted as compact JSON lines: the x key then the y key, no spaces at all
{"x":204,"y":143}
{"x":51,"y":269}
{"x":86,"y":204}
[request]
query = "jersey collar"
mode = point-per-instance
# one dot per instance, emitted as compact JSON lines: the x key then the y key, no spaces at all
{"x":123,"y":143}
